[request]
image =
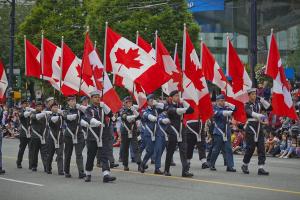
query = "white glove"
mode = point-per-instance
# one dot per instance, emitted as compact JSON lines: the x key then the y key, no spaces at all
{"x":265,"y":103}
{"x":155,"y":102}
{"x":40,"y":116}
{"x":227,"y":113}
{"x":130,"y":118}
{"x":152,"y":118}
{"x":27,"y":109}
{"x":32,"y":110}
{"x":160,"y":105}
{"x":84,"y":123}
{"x":82,"y":108}
{"x":95,"y":123}
{"x":71,"y":117}
{"x":185,"y":103}
{"x":258,"y":116}
{"x":106,"y":109}
{"x":181,"y":111}
{"x":54,"y":119}
{"x":230,"y":105}
{"x":59,"y":111}
{"x":47,"y":112}
{"x":27,"y":114}
{"x":134,"y":107}
{"x":166,"y":121}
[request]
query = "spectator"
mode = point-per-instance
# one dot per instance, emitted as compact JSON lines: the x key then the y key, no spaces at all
{"x":271,"y":143}
{"x":260,"y":90}
{"x":266,"y":91}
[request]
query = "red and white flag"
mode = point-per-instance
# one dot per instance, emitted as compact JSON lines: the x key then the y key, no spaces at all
{"x":3,"y":80}
{"x":282,"y":102}
{"x":241,"y":82}
{"x":214,"y":73}
{"x":132,"y":63}
{"x":51,"y":58}
{"x":171,"y":67}
{"x":195,"y":89}
{"x":92,"y":69}
{"x":146,"y":46}
{"x":32,"y":60}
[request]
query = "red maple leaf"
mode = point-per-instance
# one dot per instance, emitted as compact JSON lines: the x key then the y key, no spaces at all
{"x":128,"y":59}
{"x":177,"y":77}
{"x":223,"y":78}
{"x":88,"y":80}
{"x":195,"y":75}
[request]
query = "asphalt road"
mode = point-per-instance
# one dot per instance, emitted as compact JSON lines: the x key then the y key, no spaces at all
{"x":22,"y":184}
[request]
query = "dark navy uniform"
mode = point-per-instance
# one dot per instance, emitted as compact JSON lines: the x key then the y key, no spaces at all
{"x":254,"y":133}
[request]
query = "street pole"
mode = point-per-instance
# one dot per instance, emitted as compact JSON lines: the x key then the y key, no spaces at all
{"x":11,"y":55}
{"x":253,"y":41}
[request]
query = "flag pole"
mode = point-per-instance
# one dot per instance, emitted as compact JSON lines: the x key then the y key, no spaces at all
{"x":25,"y":66}
{"x":137,"y":36}
{"x":61,"y":66}
{"x":81,"y":66}
{"x":104,"y":59}
{"x":42,"y":61}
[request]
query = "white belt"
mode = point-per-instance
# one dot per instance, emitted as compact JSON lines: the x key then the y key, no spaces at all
{"x":256,"y":133}
{"x":85,"y":132}
{"x":98,"y":139}
{"x":164,"y":132}
{"x":74,"y":136}
{"x":151,"y":132}
{"x":128,"y":130}
{"x":178,"y":134}
{"x":198,"y":135}
{"x":27,"y":131}
{"x":42,"y":137}
{"x":56,"y":141}
{"x":224,"y":135}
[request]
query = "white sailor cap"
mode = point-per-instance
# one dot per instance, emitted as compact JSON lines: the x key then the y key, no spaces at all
{"x":49,"y":99}
{"x":251,"y":90}
{"x":94,"y":93}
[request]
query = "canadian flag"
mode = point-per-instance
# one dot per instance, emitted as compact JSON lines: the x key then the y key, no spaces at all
{"x":132,"y":63}
{"x":3,"y":80}
{"x":146,"y":46}
{"x":51,"y":58}
{"x":195,"y":89}
{"x":214,"y":73}
{"x":32,"y":60}
{"x":171,"y":67}
{"x":282,"y":102}
{"x":92,"y":68}
{"x":235,"y":69}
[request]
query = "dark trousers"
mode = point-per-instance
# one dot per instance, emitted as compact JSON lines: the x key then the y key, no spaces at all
{"x":250,"y":148}
{"x":126,"y":144}
{"x":171,"y":147}
{"x":218,"y":145}
{"x":59,"y":158}
{"x":24,"y":141}
{"x":192,"y":142}
{"x":92,"y":150}
{"x":78,"y":152}
{"x":159,"y":147}
{"x":110,"y":151}
{"x":37,"y":147}
{"x":149,"y":146}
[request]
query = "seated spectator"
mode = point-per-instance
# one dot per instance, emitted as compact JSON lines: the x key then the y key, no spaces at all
{"x":237,"y":141}
{"x":271,"y":142}
{"x":291,"y":148}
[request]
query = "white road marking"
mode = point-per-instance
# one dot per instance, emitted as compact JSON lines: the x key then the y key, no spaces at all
{"x":19,"y":181}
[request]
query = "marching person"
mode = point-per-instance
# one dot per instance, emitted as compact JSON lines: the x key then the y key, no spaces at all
{"x":84,"y":104}
{"x":49,"y":102}
{"x":222,"y":133}
{"x":55,"y":140}
{"x":195,"y":132}
{"x":175,"y":132}
{"x":97,"y":117}
{"x":129,"y":115}
{"x":254,"y":133}
{"x":38,"y":137}
{"x":73,"y":137}
{"x":25,"y":134}
{"x":149,"y":118}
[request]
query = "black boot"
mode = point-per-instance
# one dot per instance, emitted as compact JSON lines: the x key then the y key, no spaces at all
{"x":19,"y":166}
{"x":245,"y":169}
{"x":167,"y":173}
{"x":126,"y":168}
{"x":2,"y":171}
{"x":158,"y":172}
{"x":230,"y":169}
{"x":187,"y":174}
{"x":142,"y":168}
{"x":212,"y":168}
{"x":81,"y":175}
{"x":88,"y":178}
{"x":67,"y":175}
{"x":34,"y":169}
{"x":108,"y":178}
{"x":205,"y":165}
{"x":261,"y":171}
{"x":114,"y":165}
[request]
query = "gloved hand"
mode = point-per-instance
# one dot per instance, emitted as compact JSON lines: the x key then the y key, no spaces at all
{"x":40,"y":116}
{"x":227,"y":113}
{"x":166,"y":121}
{"x":152,"y":118}
{"x":265,"y":103}
{"x":181,"y":111}
{"x":106,"y":109}
{"x":27,"y":114}
{"x":258,"y":116}
{"x":54,"y":119}
{"x":230,"y":105}
{"x":185,"y":103}
{"x":160,"y":106}
{"x":47,"y":112}
{"x":95,"y":123}
{"x":84,"y":123}
{"x":130,"y":118}
{"x":71,"y":117}
{"x":59,"y":111}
